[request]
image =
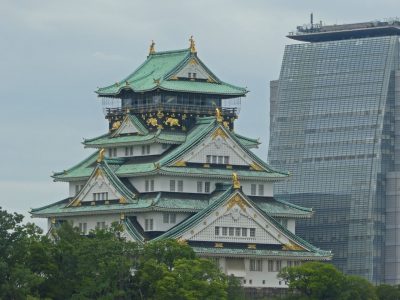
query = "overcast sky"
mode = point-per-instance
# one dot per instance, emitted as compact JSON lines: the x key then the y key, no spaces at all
{"x":54,"y":54}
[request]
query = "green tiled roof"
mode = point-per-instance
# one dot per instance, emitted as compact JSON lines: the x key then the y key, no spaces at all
{"x":160,"y":136}
{"x":165,"y":201}
{"x":189,"y":223}
{"x":133,"y":231}
{"x":246,"y":141}
{"x":116,"y":182}
{"x":279,"y":208}
{"x":156,"y":73}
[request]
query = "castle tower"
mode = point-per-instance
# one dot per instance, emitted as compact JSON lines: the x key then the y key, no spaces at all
{"x":172,"y":166}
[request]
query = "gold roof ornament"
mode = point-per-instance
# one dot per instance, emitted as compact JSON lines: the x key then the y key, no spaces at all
{"x":152,"y":49}
{"x":236,"y":182}
{"x":100,"y":158}
{"x":192,"y":45}
{"x":218,"y":115}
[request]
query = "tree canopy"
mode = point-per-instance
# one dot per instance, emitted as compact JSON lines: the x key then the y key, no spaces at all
{"x":101,"y":266}
{"x":322,"y":281}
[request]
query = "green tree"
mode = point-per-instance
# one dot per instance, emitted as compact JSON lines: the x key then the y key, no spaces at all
{"x":169,"y":270}
{"x":17,"y":280}
{"x":357,"y":288}
{"x":314,"y":280}
{"x":94,"y":267}
{"x":388,"y":292}
{"x":192,"y":279}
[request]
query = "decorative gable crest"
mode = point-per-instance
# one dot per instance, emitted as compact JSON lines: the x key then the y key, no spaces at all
{"x":130,"y":125}
{"x":218,"y":148}
{"x":100,"y":187}
{"x":235,"y":220}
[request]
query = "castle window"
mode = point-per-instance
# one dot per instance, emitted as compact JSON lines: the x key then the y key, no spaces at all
{"x":244,"y":231}
{"x":208,"y":159}
{"x":226,"y":160}
{"x":149,"y":185}
{"x":180,"y":185}
{"x":101,"y":225}
{"x":114,"y":152}
{"x":207,"y":187}
{"x":148,"y":224}
{"x":253,"y":191}
{"x":78,"y":188}
{"x":214,"y":159}
{"x":278,"y":265}
{"x":100,"y":196}
{"x":199,"y":186}
{"x":169,"y":218}
{"x":252,"y":232}
{"x":83,"y":228}
{"x":194,"y":75}
{"x":261,"y":190}
{"x":152,"y":185}
{"x":216,"y":230}
{"x":256,"y":265}
{"x":145,"y":149}
{"x":231,"y":231}
{"x":190,"y":75}
{"x":220,"y":160}
{"x":270,"y":266}
{"x":237,"y":231}
{"x":110,"y":152}
{"x":129,"y":151}
{"x":172,"y":185}
{"x":225,"y":231}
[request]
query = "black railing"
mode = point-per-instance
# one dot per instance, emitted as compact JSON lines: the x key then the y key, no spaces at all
{"x":181,"y":108}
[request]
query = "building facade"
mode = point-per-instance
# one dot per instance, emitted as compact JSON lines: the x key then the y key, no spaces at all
{"x":172,"y":166}
{"x":335,"y":127}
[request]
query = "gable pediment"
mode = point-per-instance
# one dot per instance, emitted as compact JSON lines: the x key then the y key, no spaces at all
{"x":237,"y":221}
{"x":98,"y":188}
{"x":218,"y":148}
{"x":126,"y":127}
{"x":193,"y":70}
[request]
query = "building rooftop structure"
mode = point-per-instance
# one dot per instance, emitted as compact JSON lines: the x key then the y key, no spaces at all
{"x":322,"y":33}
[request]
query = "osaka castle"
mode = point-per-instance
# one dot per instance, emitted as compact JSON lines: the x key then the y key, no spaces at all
{"x":172,"y":166}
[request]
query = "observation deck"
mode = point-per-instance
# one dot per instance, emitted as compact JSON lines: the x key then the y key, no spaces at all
{"x":323,"y":33}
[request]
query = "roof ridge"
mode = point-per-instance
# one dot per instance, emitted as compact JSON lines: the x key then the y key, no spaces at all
{"x":95,"y":154}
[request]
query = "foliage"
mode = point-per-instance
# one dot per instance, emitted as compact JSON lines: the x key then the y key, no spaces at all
{"x":315,"y":280}
{"x":100,"y":266}
{"x":388,"y":292}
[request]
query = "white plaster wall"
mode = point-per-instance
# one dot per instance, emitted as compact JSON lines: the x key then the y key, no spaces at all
{"x":155,"y":149}
{"x":193,"y":68}
{"x":218,"y":146}
{"x":158,"y":224}
{"x":268,"y":187}
{"x":72,"y":186}
{"x":162,"y":183}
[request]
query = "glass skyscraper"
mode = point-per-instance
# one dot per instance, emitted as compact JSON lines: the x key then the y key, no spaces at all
{"x":335,"y":125}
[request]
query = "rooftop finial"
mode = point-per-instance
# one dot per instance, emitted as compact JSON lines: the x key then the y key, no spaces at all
{"x":192,"y":45}
{"x":101,"y":156}
{"x":152,"y":50}
{"x":236,"y":182}
{"x":218,"y":115}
